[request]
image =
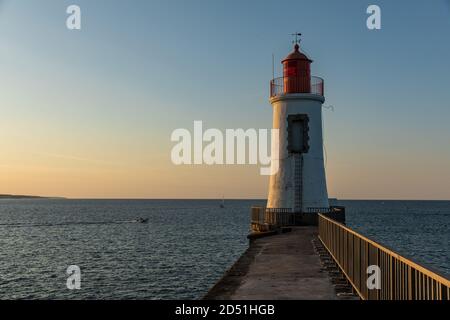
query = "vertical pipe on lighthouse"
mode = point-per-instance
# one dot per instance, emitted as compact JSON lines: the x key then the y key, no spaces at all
{"x":297,"y":98}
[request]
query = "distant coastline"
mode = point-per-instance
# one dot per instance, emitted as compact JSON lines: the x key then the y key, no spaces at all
{"x":13,"y":196}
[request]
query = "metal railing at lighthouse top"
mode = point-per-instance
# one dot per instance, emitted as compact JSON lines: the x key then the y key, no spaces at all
{"x":279,"y":86}
{"x":399,"y":277}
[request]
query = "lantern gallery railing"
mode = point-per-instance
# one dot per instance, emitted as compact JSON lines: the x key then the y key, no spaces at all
{"x":391,"y":276}
{"x":286,"y":85}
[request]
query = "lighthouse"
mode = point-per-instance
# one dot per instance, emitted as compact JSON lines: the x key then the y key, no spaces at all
{"x":299,"y":185}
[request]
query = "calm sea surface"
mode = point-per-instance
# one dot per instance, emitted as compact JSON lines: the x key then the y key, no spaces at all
{"x":182,"y":251}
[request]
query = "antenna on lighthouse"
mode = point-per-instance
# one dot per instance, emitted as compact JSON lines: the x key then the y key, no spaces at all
{"x":273,"y":66}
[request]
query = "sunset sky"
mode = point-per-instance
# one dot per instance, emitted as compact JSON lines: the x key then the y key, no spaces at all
{"x":89,"y":113}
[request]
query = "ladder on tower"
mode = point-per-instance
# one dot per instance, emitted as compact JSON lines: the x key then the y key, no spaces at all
{"x":298,"y":182}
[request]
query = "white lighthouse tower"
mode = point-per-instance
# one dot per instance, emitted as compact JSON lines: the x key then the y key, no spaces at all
{"x":299,"y":185}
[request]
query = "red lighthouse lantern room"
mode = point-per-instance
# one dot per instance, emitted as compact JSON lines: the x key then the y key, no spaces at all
{"x":297,"y":72}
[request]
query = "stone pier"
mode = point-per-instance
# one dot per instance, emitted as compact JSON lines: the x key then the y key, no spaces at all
{"x":279,"y":267}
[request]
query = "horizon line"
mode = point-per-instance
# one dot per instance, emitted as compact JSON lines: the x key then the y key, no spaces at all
{"x":175,"y":199}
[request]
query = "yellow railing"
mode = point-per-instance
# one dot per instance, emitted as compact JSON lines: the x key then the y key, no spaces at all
{"x":399,"y":278}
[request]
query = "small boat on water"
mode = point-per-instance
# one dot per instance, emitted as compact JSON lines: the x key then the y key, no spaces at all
{"x":141,"y":220}
{"x":222,"y":205}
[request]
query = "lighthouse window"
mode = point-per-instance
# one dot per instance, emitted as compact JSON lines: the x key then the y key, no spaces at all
{"x":298,"y":137}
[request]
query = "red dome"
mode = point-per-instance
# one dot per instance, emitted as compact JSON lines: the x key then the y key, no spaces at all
{"x":296,"y":55}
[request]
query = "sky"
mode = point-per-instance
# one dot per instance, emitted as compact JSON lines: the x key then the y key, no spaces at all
{"x":89,"y":113}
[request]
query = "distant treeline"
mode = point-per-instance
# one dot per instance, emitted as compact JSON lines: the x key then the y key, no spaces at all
{"x":11,"y":196}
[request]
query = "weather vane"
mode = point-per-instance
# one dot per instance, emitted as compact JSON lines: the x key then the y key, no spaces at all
{"x":297,"y":37}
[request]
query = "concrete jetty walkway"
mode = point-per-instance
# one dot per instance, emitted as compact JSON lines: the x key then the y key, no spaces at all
{"x":277,"y":267}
